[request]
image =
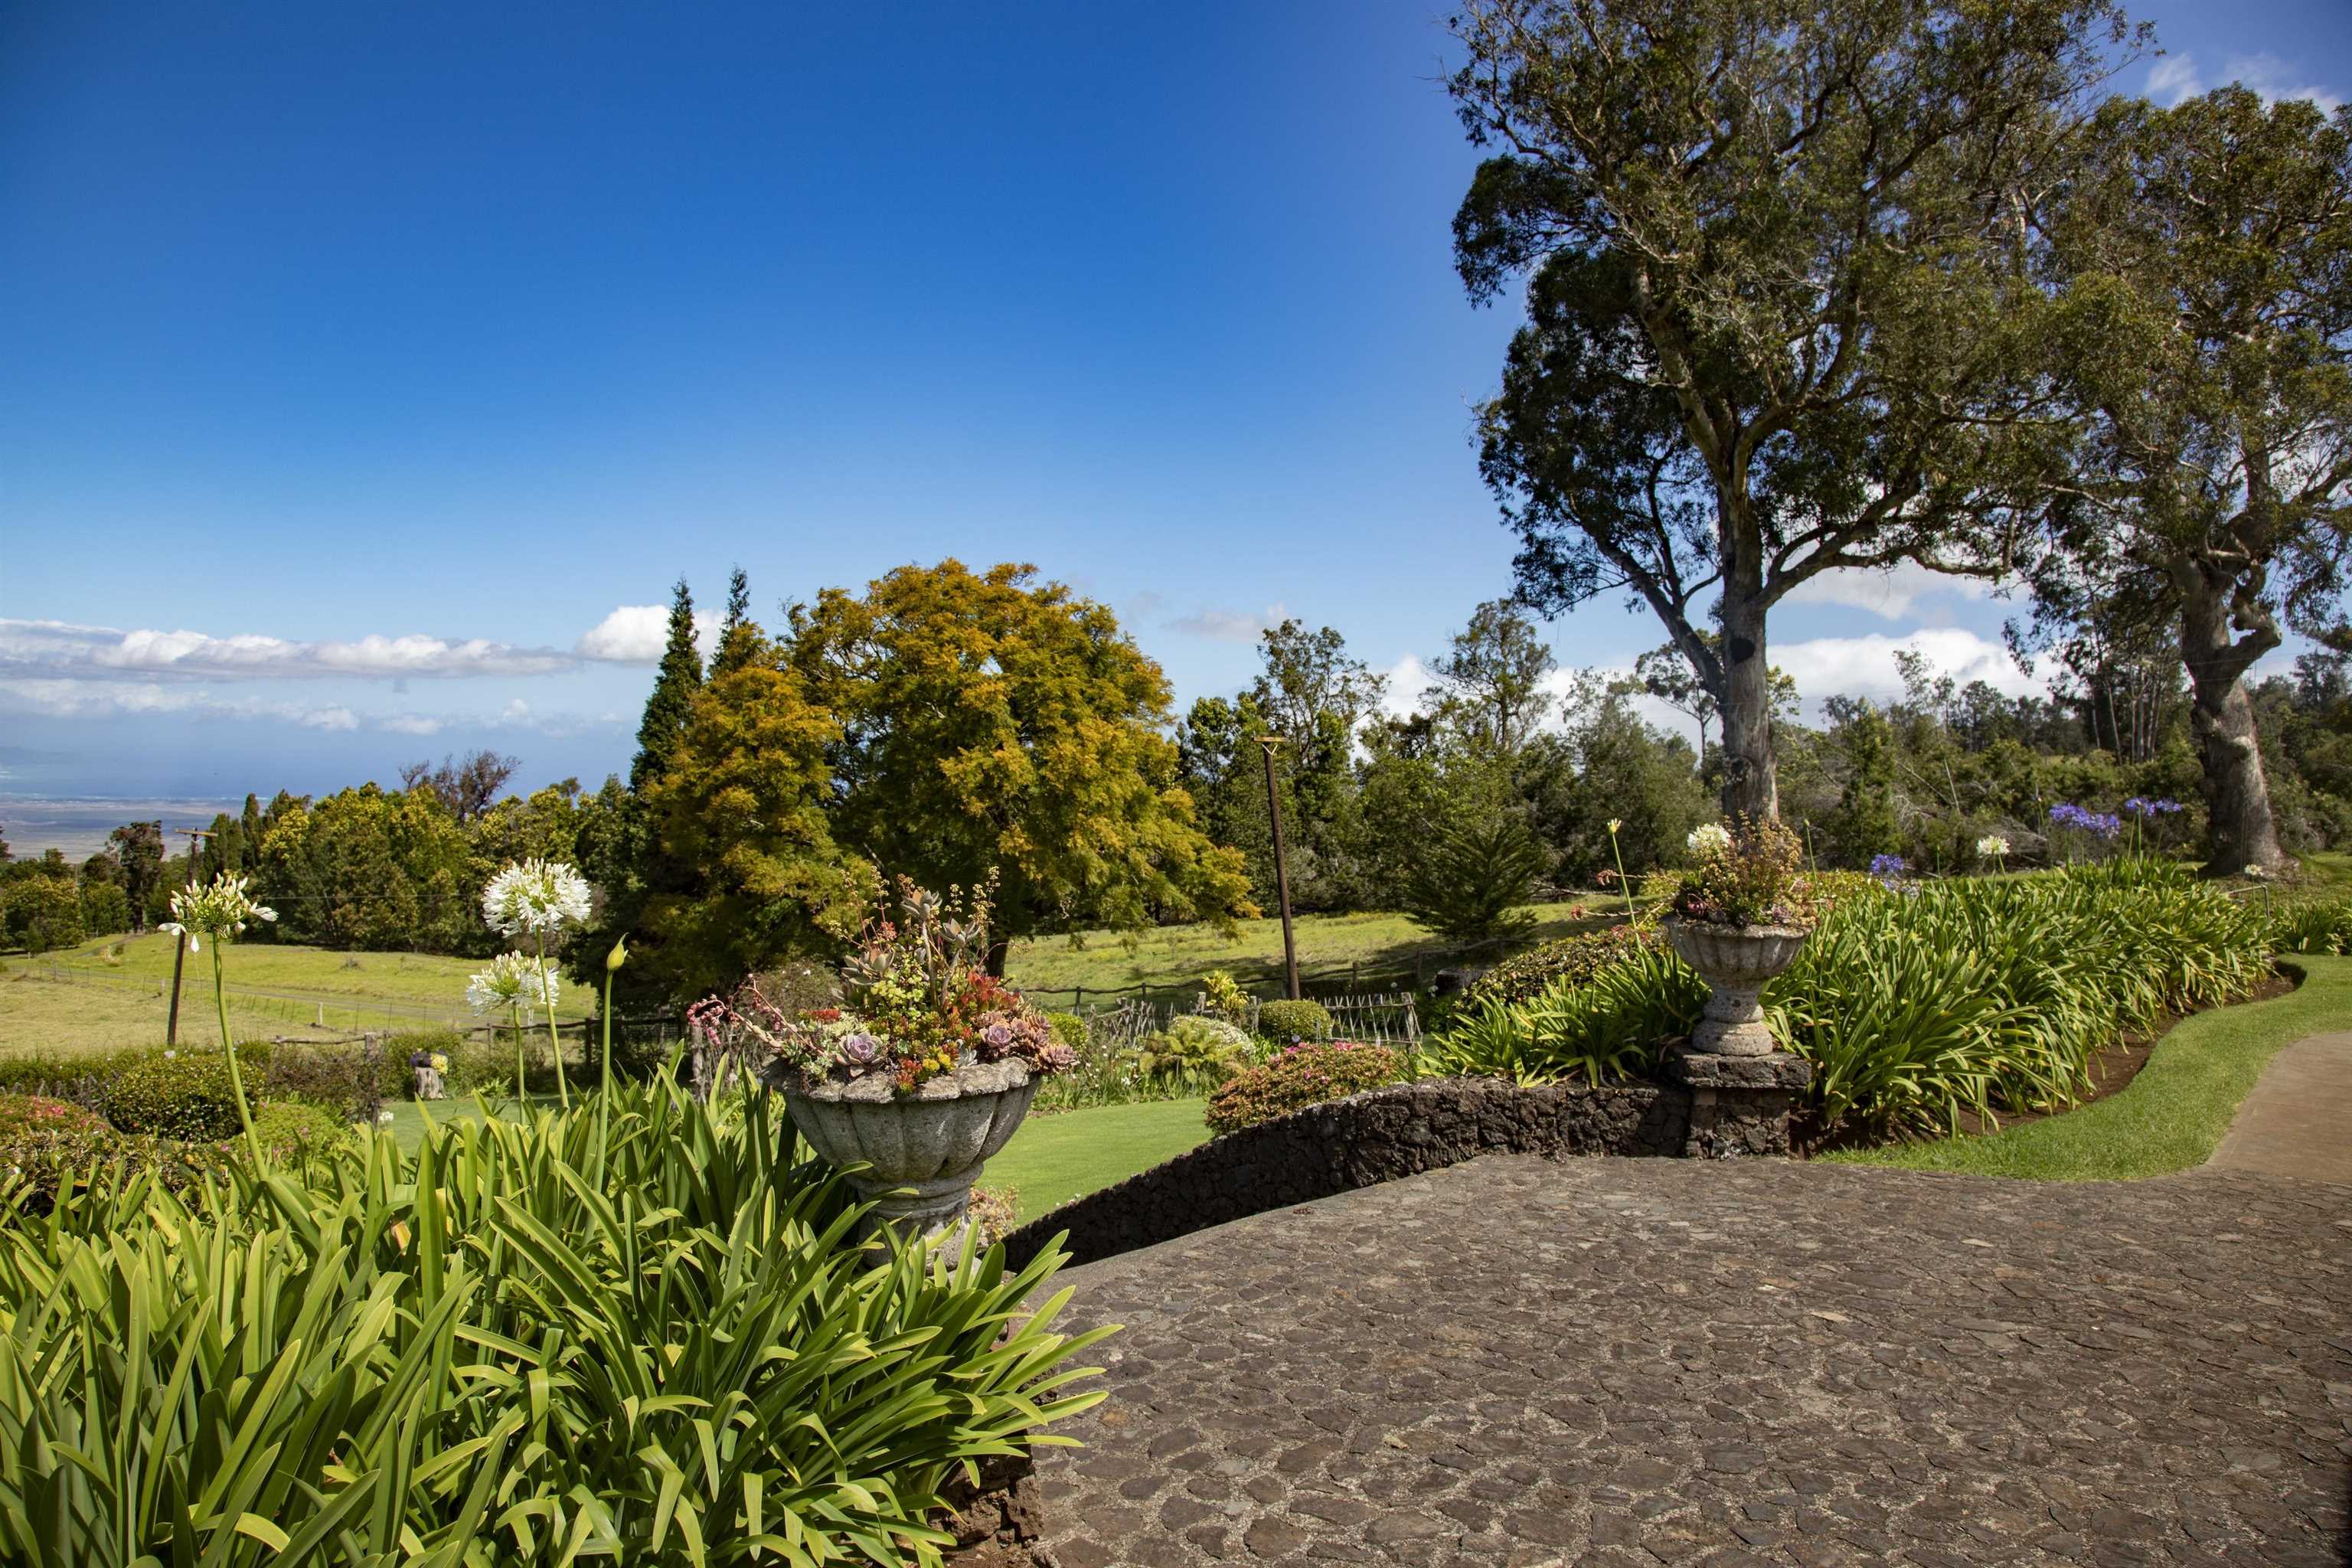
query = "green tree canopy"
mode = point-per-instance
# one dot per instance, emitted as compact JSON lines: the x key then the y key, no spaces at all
{"x":990,"y":722}
{"x":1489,"y":684}
{"x":140,"y":847}
{"x":2205,"y":259}
{"x":741,"y":817}
{"x":1776,"y":324}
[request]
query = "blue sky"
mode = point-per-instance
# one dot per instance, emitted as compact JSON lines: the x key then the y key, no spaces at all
{"x":387,"y":353}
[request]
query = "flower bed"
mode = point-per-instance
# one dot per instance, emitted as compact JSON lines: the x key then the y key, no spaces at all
{"x":569,"y":1346}
{"x":1916,"y":1008}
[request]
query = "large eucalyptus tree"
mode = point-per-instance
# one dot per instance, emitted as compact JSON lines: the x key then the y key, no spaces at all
{"x":1778,"y":316}
{"x":2203,"y":257}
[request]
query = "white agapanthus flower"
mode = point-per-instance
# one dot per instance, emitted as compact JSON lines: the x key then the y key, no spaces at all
{"x":1992,"y":846}
{"x":514,"y":980}
{"x":1708,"y":838}
{"x":538,"y":897}
{"x":219,"y":911}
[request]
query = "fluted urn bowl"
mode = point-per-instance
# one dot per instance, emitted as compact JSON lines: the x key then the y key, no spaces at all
{"x":924,"y":1149}
{"x":1737,"y":963}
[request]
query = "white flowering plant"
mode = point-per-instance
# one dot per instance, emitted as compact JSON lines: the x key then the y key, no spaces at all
{"x":522,"y":986}
{"x":1992,"y":846}
{"x":220,"y":912}
{"x":538,"y":899}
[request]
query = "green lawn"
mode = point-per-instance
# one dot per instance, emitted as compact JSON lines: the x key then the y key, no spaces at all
{"x":1381,"y":945}
{"x":2169,"y":1118}
{"x":1053,"y":1159}
{"x":407,"y":1124}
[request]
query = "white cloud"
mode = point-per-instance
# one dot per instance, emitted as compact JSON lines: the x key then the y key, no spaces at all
{"x":410,"y":724}
{"x":112,"y":699}
{"x":59,"y":649}
{"x":1864,"y":665}
{"x":1408,"y":677}
{"x":636,"y":634}
{"x":1891,"y":594}
{"x":2177,"y":77}
{"x":1228,"y":626}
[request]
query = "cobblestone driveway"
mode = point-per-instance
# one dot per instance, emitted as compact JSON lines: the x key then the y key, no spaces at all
{"x":1521,"y":1362}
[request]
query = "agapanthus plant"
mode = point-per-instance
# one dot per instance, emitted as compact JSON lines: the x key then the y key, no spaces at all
{"x":1992,"y":846}
{"x":219,"y":913}
{"x":919,"y":1003}
{"x":539,"y":898}
{"x":523,"y":986}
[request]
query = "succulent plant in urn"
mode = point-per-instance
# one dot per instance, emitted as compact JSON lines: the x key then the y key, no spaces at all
{"x":922,"y":1074}
{"x":1739,"y":918}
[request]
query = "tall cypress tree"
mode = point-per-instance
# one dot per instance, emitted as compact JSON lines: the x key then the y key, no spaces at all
{"x":733,"y":649}
{"x":673,"y":694}
{"x":625,"y":858}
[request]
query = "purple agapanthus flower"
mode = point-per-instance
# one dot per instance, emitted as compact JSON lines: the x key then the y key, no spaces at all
{"x":1886,"y":867}
{"x":2106,"y":825}
{"x":2140,"y":806}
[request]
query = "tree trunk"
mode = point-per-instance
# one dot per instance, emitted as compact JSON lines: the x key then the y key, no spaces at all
{"x":1750,"y":787}
{"x":2240,"y":830}
{"x":999,"y":949}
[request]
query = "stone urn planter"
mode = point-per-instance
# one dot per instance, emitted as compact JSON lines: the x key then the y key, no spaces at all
{"x":924,"y":1147}
{"x":1737,"y":963}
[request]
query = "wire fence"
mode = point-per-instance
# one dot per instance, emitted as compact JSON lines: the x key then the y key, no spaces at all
{"x":1385,"y":1018}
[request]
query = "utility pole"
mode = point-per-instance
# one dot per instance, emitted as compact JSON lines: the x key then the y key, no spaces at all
{"x":1281,"y":868}
{"x":180,"y":958}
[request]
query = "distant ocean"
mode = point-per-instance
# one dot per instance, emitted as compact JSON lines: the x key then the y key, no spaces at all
{"x":32,"y":824}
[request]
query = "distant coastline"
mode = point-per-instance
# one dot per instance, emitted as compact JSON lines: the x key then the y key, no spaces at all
{"x":77,"y":825}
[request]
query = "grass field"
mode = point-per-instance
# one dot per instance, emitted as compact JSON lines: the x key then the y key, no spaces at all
{"x":1378,"y":945}
{"x":108,"y":996}
{"x":2171,"y":1117}
{"x":112,"y":995}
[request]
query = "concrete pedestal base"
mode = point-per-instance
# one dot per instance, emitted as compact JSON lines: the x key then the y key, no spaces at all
{"x":1739,"y":1104}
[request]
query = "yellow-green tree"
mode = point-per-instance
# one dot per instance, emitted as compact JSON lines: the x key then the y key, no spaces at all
{"x":740,"y":810}
{"x":990,"y":722}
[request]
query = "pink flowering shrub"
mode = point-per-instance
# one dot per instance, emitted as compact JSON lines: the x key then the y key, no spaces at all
{"x":1298,"y":1077}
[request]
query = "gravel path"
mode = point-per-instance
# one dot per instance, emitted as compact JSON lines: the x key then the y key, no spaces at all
{"x":1519,"y":1362}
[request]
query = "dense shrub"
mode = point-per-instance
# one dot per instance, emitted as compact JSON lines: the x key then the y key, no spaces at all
{"x":44,"y":1142}
{"x":290,"y":1131}
{"x":1070,"y":1029}
{"x":1989,"y":994}
{"x":1605,"y":1027}
{"x":1300,"y":1075}
{"x":1225,"y":996}
{"x":2321,"y":925}
{"x":1572,"y":959}
{"x":338,"y":1076}
{"x":359,"y":1385}
{"x":1192,"y":1054}
{"x":1283,"y":1022}
{"x":78,"y":1075}
{"x":1979,"y":995}
{"x":181,"y":1094}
